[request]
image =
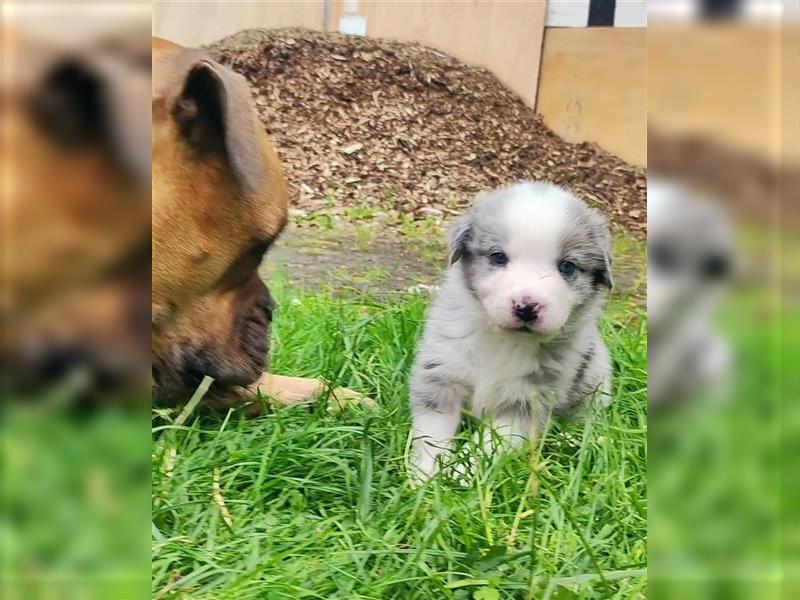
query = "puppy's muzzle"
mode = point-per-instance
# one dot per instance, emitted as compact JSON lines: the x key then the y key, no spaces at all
{"x":525,"y":310}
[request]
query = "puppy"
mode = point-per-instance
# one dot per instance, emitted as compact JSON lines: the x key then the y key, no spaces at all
{"x":691,"y":266}
{"x":513,"y":332}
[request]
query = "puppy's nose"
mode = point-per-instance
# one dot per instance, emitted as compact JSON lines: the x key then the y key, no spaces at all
{"x":526,"y":311}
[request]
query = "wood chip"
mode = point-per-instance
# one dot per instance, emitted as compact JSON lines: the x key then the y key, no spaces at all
{"x":433,"y":131}
{"x":351,"y":148}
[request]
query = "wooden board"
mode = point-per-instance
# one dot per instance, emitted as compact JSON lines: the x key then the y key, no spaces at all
{"x":505,"y":37}
{"x":202,"y":22}
{"x":729,"y":82}
{"x":593,"y":87}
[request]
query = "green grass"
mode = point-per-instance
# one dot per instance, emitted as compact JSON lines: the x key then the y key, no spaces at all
{"x":725,"y":513}
{"x":304,"y":502}
{"x":74,"y":491}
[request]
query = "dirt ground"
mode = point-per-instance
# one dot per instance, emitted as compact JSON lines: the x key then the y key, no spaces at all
{"x":385,"y":260}
{"x":374,"y":258}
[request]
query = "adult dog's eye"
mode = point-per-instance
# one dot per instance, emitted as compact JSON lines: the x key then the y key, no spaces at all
{"x":244,"y":267}
{"x":566,"y":267}
{"x":498,"y":259}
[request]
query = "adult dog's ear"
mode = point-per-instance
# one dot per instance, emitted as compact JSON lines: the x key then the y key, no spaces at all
{"x":215,"y":115}
{"x":86,"y":101}
{"x":459,"y":237}
{"x":68,"y":104}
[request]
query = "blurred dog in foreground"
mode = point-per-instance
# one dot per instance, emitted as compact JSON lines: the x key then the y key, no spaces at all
{"x":513,"y":332}
{"x":219,"y":201}
{"x":74,"y":126}
{"x":690,"y":268}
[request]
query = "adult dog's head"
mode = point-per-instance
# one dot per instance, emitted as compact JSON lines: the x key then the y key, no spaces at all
{"x":534,"y":256}
{"x":219,"y":201}
{"x":75,"y":241}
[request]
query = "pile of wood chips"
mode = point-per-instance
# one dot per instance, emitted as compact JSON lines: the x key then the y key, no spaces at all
{"x":358,"y":119}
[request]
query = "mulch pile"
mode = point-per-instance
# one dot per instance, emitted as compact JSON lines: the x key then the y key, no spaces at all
{"x":749,"y":184}
{"x":358,"y":119}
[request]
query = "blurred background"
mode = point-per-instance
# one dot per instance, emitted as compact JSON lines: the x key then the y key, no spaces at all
{"x":723,"y":336}
{"x":75,"y":300}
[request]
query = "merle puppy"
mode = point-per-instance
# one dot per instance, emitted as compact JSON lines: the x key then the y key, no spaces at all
{"x":513,"y":332}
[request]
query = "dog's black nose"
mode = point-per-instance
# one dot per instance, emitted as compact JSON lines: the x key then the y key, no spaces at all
{"x":526,"y":311}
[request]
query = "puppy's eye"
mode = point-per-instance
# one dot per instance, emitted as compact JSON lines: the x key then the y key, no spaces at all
{"x":663,"y":257}
{"x":498,"y":259}
{"x":715,"y":267}
{"x":566,"y":267}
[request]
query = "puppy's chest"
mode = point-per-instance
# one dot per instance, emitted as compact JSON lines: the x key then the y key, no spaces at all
{"x":510,"y":373}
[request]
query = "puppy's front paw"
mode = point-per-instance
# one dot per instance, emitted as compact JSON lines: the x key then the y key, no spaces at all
{"x":426,"y":468}
{"x":423,"y":467}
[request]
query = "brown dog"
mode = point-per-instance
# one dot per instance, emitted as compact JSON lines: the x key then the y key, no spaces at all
{"x":219,"y":201}
{"x":75,"y":210}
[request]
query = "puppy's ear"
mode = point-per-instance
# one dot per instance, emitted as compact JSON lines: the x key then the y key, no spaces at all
{"x":608,"y":279}
{"x":600,"y":225}
{"x":460,"y":235}
{"x":215,"y":115}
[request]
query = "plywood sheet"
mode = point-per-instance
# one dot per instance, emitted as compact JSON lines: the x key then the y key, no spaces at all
{"x":505,"y":37}
{"x":593,"y":87}
{"x":202,"y":22}
{"x":725,"y":82}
